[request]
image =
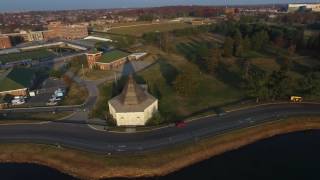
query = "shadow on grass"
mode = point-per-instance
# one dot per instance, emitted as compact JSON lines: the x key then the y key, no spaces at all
{"x":216,"y":109}
{"x":233,"y":79}
{"x":168,"y":72}
{"x":299,"y":68}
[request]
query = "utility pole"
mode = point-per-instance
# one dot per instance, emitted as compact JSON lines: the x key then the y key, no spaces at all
{"x":115,"y":79}
{"x":82,"y":70}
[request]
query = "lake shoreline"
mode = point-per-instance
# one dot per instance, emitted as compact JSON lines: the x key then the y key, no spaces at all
{"x":151,"y":164}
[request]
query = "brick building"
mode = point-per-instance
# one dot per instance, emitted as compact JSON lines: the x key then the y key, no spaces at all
{"x":111,"y":59}
{"x":107,"y":61}
{"x":5,"y":42}
{"x":58,"y":30}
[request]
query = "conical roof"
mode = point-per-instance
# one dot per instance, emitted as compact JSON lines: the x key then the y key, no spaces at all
{"x":132,"y":93}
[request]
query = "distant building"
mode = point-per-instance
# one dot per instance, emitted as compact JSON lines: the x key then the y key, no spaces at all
{"x":111,"y":59}
{"x":93,"y":57}
{"x":134,"y":106}
{"x":197,"y":22}
{"x":32,"y":35}
{"x":229,"y":11}
{"x":295,"y":7}
{"x":5,"y":42}
{"x":16,"y":82}
{"x":58,"y":30}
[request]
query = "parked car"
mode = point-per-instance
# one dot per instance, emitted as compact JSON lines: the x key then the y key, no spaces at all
{"x":181,"y":124}
{"x":55,"y":98}
{"x":18,"y":100}
{"x":51,"y":103}
{"x":59,"y":93}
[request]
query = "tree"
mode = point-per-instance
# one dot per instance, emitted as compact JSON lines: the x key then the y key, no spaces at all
{"x":310,"y":84}
{"x":213,"y":60}
{"x":238,"y":49}
{"x":256,"y":85}
{"x":259,"y":40}
{"x":228,"y":47}
{"x":246,"y":44}
{"x":164,"y":41}
{"x":278,"y":84}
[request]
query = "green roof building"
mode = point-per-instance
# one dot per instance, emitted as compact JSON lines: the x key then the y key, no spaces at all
{"x":16,"y":81}
{"x":112,"y":56}
{"x":108,"y":60}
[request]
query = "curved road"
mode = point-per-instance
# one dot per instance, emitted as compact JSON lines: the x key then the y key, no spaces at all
{"x":80,"y":136}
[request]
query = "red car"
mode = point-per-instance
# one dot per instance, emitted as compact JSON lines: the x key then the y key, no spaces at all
{"x":181,"y":124}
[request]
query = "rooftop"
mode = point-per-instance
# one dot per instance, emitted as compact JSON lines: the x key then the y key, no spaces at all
{"x":132,"y":93}
{"x":36,"y":54}
{"x":132,"y":98}
{"x":18,"y":78}
{"x":93,"y":51}
{"x":113,"y":56}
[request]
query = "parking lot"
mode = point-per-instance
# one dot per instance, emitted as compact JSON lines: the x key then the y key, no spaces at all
{"x":45,"y":92}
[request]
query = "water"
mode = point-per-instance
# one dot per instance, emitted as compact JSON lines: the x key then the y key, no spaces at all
{"x":292,"y":156}
{"x":14,"y":171}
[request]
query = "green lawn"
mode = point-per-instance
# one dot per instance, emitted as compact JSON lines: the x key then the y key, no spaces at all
{"x":26,"y":55}
{"x":209,"y":95}
{"x":139,"y":30}
{"x":219,"y":89}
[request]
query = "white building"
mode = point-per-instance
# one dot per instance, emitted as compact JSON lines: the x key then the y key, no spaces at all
{"x":295,"y":7}
{"x":134,"y":106}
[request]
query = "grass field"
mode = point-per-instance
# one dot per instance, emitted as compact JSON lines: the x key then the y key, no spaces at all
{"x":139,"y":29}
{"x":210,"y":92}
{"x":213,"y":92}
{"x":26,"y":55}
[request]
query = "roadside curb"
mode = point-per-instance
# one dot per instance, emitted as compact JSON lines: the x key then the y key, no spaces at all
{"x":31,"y":123}
{"x":66,"y":117}
{"x":261,"y":105}
{"x":124,"y":132}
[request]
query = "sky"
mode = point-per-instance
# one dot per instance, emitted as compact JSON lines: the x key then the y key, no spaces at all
{"x":27,"y":5}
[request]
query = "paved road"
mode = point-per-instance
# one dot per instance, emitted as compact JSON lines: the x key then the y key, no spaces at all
{"x":80,"y":136}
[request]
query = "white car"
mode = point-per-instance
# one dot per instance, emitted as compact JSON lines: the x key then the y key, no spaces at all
{"x":59,"y":93}
{"x":53,"y":99}
{"x":51,"y":103}
{"x":18,"y":101}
